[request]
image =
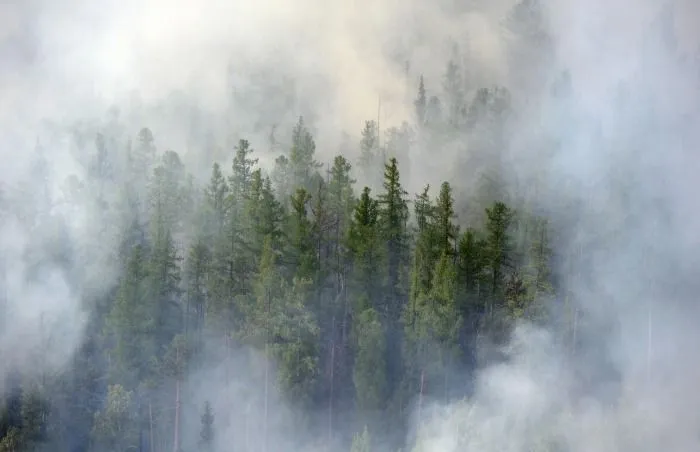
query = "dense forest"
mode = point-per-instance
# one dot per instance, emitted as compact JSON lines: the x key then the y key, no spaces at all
{"x":290,"y":301}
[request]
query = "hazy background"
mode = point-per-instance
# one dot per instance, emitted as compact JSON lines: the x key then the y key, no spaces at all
{"x":202,"y":74}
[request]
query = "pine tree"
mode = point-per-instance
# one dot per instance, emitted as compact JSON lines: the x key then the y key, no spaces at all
{"x":242,"y":173}
{"x":35,"y":413}
{"x":302,"y":157}
{"x":423,"y":253}
{"x":499,"y":248}
{"x":196,"y":270}
{"x":537,"y":276}
{"x":420,"y":103}
{"x":215,"y":195}
{"x":282,"y":179}
{"x":446,"y":231}
{"x":369,"y":146}
{"x":144,"y":154}
{"x":302,"y":255}
{"x":361,"y":441}
{"x":114,"y":428}
{"x":130,"y":323}
{"x":341,"y":198}
{"x":453,"y":90}
{"x":206,"y":433}
{"x":167,"y":192}
{"x":164,"y":290}
{"x":472,"y":265}
{"x":393,"y":217}
{"x":369,"y":373}
{"x":265,"y":215}
{"x":364,"y":246}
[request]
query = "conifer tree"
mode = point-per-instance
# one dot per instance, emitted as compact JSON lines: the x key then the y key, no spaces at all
{"x":369,"y":146}
{"x":130,"y":323}
{"x":206,"y":433}
{"x":421,"y":101}
{"x":446,"y":231}
{"x":369,"y":373}
{"x":301,"y":253}
{"x":393,"y":218}
{"x":302,"y":157}
{"x":216,"y":205}
{"x":364,"y":244}
{"x":499,"y":248}
{"x":361,"y":442}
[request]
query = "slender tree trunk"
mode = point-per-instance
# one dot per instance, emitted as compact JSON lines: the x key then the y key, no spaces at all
{"x":574,"y":336}
{"x":247,"y":429}
{"x":346,"y":310}
{"x":267,"y":371}
{"x":649,"y":342}
{"x":446,"y":381}
{"x":330,"y":399}
{"x":266,"y":398}
{"x":176,"y":439}
{"x":420,"y":395}
{"x":150,"y":426}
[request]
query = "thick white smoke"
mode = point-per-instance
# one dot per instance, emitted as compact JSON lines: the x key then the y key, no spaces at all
{"x":625,"y":152}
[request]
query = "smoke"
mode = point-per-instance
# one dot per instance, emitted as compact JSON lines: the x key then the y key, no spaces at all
{"x":334,"y":62}
{"x":45,"y":266}
{"x":167,"y":65}
{"x":624,"y":153}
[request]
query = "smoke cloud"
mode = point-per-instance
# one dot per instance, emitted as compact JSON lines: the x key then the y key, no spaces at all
{"x":624,"y":159}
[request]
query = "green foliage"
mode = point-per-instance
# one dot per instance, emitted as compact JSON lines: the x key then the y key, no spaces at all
{"x":242,"y":172}
{"x":168,"y":193}
{"x":392,"y":219}
{"x":13,"y":441}
{"x":301,"y":251}
{"x":364,"y":246}
{"x":369,"y":373}
{"x":446,"y":231}
{"x":498,"y":245}
{"x":115,"y":425}
{"x":369,"y":147}
{"x":34,"y":412}
{"x":302,"y":157}
{"x":293,"y":340}
{"x":206,"y":433}
{"x":130,"y":323}
{"x":361,"y":442}
{"x":216,"y":194}
{"x":421,"y":102}
{"x":345,"y":291}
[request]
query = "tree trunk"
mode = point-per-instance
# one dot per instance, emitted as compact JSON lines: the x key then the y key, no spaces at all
{"x":266,"y":398}
{"x":420,"y":395}
{"x":330,"y":399}
{"x":150,"y":426}
{"x":176,"y":439}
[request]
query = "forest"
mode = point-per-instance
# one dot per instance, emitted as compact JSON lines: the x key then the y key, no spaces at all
{"x":305,"y":299}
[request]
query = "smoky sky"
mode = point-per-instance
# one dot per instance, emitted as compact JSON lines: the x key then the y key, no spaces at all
{"x":621,"y":145}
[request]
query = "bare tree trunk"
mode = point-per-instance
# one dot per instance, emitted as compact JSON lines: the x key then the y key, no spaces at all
{"x":247,"y":429}
{"x":150,"y":426}
{"x":446,"y":380}
{"x":226,"y":358}
{"x":649,"y":343}
{"x":330,"y":399}
{"x":176,"y":439}
{"x":267,"y":372}
{"x":420,"y":395}
{"x":266,"y":398}
{"x":574,"y":337}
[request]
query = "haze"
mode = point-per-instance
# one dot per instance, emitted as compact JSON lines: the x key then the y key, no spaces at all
{"x":543,"y":298}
